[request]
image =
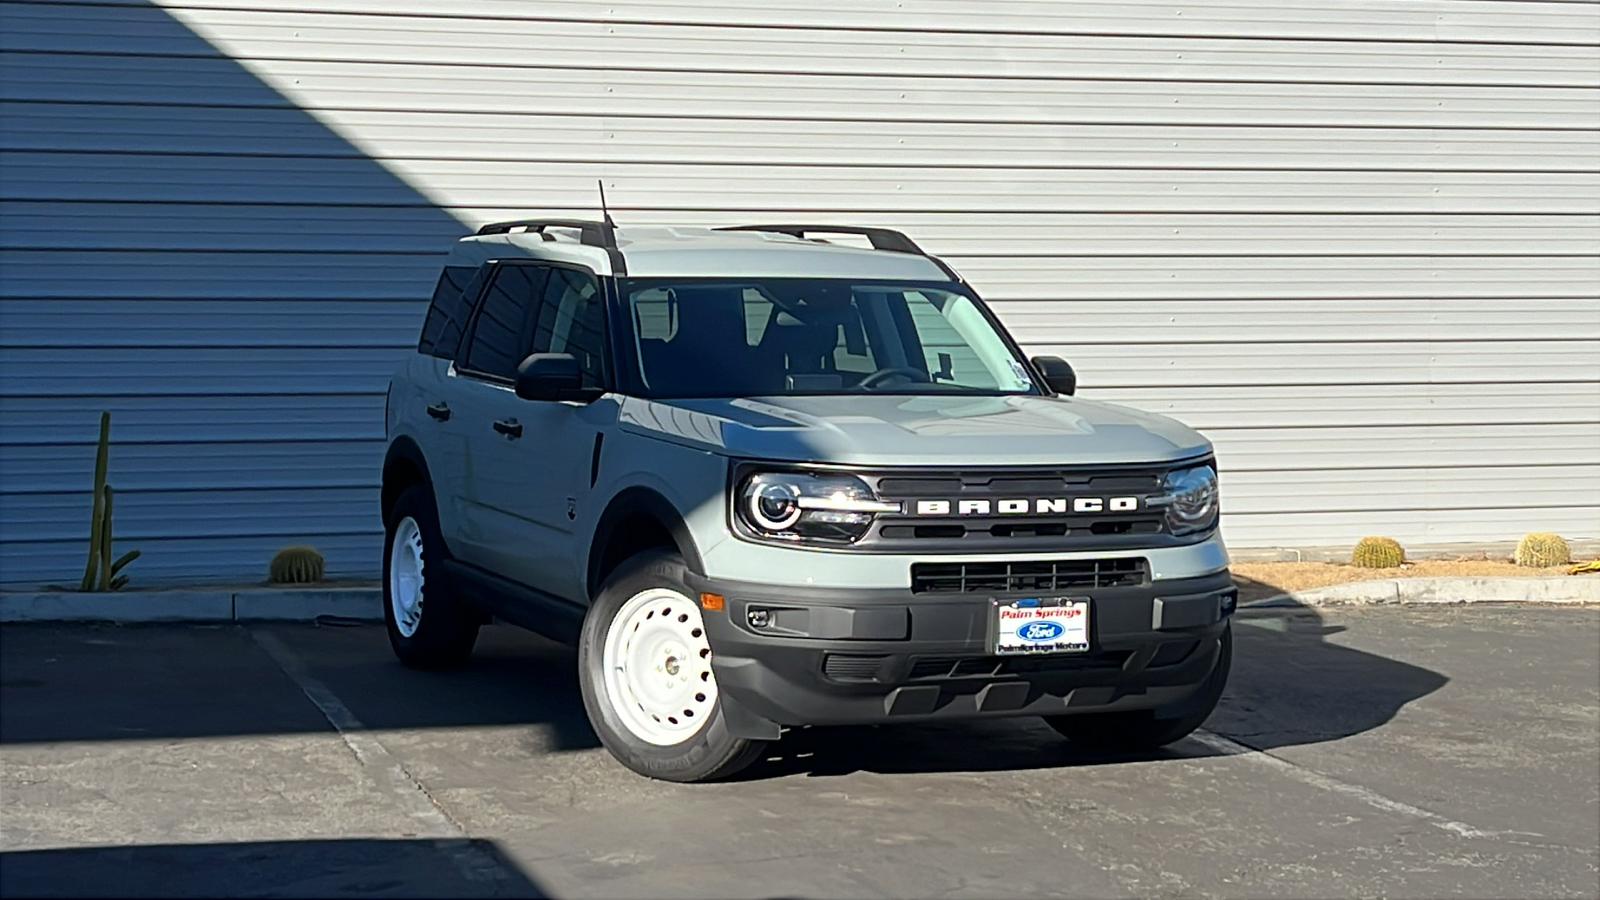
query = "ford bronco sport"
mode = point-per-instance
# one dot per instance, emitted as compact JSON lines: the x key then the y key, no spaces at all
{"x":764,"y":480}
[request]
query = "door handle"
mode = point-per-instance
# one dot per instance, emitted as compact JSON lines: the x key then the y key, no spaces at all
{"x":511,"y":428}
{"x":440,"y":411}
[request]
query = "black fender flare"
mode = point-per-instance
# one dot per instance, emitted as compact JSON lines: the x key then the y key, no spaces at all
{"x":635,"y":500}
{"x":402,"y":449}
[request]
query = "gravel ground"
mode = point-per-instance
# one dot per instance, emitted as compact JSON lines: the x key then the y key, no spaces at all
{"x":1300,"y":576}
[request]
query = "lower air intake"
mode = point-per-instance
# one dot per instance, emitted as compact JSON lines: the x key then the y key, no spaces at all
{"x":1016,"y":577}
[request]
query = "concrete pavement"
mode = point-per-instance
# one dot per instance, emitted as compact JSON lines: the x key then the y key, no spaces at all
{"x":1359,"y":751}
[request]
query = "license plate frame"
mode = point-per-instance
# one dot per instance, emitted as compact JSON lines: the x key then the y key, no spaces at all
{"x":1056,"y":626}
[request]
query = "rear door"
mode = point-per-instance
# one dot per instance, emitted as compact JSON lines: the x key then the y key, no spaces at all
{"x":426,"y":406}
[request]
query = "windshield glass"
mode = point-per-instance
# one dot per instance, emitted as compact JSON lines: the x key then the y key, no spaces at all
{"x":718,"y":337}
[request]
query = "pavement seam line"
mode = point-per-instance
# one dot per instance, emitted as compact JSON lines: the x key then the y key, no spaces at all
{"x":1372,"y":798}
{"x":471,"y":861}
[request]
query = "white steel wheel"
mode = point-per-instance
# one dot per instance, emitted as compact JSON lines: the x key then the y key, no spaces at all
{"x":405,"y":576}
{"x":657,"y":667}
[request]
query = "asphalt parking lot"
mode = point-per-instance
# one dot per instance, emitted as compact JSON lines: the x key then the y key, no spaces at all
{"x":1391,"y":752}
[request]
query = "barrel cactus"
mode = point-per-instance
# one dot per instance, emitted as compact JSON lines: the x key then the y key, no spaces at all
{"x":1377,"y":553}
{"x":298,"y":564}
{"x":1541,"y":550}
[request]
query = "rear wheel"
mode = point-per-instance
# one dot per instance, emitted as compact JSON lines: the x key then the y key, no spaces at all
{"x":427,"y":627}
{"x":645,"y":667}
{"x":1149,"y":729}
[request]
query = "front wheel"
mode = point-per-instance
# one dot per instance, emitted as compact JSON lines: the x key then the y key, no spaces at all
{"x":644,"y":664}
{"x":1150,"y":729}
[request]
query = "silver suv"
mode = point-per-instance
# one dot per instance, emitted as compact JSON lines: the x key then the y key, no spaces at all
{"x":764,"y":480}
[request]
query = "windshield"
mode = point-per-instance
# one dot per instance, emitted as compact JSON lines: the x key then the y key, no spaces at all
{"x":721,"y":337}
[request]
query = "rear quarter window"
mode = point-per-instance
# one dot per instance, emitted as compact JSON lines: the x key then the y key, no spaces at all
{"x":448,"y":313}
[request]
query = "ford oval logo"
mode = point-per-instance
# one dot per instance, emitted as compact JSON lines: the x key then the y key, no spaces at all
{"x":1039,"y":632}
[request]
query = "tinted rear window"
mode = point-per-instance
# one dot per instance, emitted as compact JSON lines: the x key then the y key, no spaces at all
{"x":447,"y":316}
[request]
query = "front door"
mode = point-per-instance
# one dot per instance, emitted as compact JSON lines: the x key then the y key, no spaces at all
{"x":528,"y":464}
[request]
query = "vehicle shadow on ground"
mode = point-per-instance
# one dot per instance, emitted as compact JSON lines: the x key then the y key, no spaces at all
{"x":1290,"y":685}
{"x":311,"y":868}
{"x":108,"y":682}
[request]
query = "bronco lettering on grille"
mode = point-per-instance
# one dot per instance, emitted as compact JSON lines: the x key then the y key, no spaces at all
{"x":1019,"y":506}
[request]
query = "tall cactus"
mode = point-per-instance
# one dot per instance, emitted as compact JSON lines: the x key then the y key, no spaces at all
{"x":96,"y":522}
{"x":105,"y":545}
{"x":100,"y":572}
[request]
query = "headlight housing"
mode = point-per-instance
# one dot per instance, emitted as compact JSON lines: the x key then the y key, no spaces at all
{"x":808,"y":507}
{"x":1190,"y":498}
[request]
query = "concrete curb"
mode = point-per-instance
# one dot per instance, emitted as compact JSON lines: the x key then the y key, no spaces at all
{"x":1462,"y":589}
{"x":132,"y":606}
{"x":197,"y":605}
{"x":365,"y":604}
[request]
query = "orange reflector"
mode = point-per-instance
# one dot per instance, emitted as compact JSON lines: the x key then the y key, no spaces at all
{"x":710,"y":601}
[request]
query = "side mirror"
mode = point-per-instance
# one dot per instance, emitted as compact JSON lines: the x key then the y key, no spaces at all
{"x":552,"y":376}
{"x":1058,"y":374}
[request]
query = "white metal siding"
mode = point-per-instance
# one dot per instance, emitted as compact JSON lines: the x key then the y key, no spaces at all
{"x":1356,"y":242}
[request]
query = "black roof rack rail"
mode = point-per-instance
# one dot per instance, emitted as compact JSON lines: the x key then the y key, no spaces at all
{"x":592,"y":231}
{"x":880,"y":238}
{"x":601,"y":234}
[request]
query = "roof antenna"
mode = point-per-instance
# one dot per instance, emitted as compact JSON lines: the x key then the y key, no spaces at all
{"x":608,"y":228}
{"x":608,"y":234}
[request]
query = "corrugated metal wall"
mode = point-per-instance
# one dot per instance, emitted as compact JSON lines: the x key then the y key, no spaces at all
{"x":1355,"y":242}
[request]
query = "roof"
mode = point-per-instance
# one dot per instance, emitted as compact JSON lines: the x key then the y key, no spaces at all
{"x":694,"y":251}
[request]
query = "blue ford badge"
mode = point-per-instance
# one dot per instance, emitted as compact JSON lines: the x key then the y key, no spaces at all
{"x":1040,"y":632}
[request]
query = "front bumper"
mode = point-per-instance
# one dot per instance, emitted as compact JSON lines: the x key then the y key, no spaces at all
{"x":831,"y":656}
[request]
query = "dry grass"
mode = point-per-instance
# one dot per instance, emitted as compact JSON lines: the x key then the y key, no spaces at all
{"x":1265,"y":579}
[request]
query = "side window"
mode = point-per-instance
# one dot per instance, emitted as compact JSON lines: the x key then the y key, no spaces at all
{"x":447,"y":314}
{"x":499,"y":333}
{"x":572,"y":320}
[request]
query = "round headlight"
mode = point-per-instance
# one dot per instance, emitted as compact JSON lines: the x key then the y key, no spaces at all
{"x":1192,"y":499}
{"x":809,"y":506}
{"x":772,"y":505}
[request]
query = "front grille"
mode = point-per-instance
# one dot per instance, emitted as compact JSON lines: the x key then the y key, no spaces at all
{"x":1024,"y":528}
{"x":992,"y":666}
{"x":1013,"y":577}
{"x":1023,"y":524}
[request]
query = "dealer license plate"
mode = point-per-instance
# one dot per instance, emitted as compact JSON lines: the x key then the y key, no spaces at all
{"x":1041,"y":625}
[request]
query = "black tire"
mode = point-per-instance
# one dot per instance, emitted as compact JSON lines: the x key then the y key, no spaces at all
{"x":444,"y":635}
{"x":709,"y":752}
{"x":1150,"y":729}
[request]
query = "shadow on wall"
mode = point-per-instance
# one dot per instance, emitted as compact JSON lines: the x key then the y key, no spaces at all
{"x":185,"y":247}
{"x":311,"y":868}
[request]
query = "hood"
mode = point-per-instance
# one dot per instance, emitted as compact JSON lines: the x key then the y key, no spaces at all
{"x":888,"y":430}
